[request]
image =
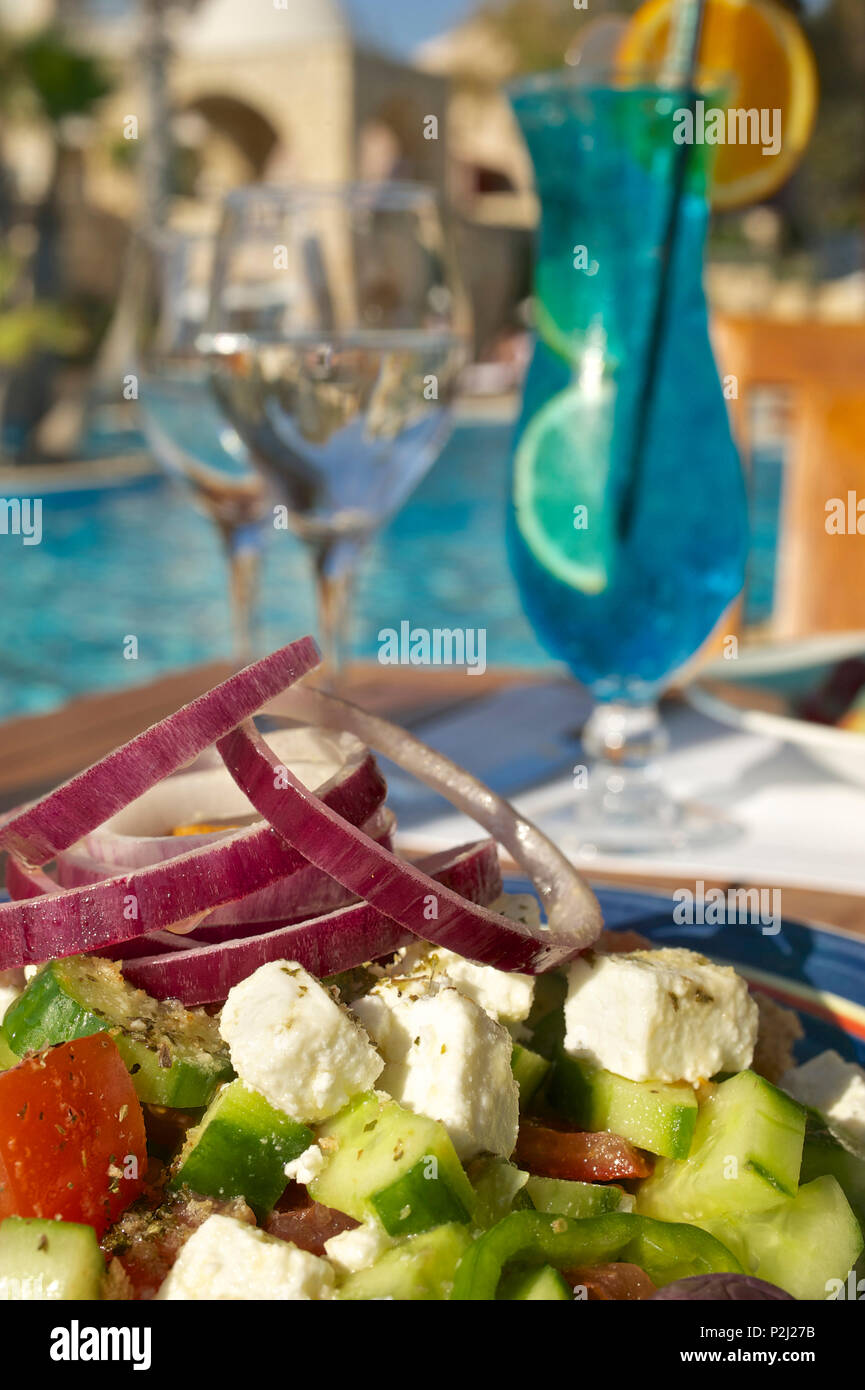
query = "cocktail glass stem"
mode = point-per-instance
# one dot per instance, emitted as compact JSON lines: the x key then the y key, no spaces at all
{"x":335,"y":563}
{"x":622,"y":804}
{"x":624,"y":742}
{"x":242,"y":545}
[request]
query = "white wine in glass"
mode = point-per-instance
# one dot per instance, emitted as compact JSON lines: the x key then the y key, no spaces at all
{"x":336,"y":333}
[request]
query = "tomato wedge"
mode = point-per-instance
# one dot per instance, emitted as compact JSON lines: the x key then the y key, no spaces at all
{"x":72,"y":1142}
{"x":305,"y":1223}
{"x":578,"y":1154}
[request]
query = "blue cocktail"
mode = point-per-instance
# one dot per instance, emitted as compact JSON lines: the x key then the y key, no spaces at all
{"x":628,"y":527}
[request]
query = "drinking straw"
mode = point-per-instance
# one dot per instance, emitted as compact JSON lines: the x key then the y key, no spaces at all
{"x":681,"y":65}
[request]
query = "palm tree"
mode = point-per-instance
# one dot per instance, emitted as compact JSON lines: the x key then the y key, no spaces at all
{"x":156,"y":165}
{"x":154,"y":50}
{"x":43,"y":80}
{"x":43,"y":77}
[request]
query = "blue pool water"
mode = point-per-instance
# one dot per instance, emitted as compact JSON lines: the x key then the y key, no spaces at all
{"x":140,"y":561}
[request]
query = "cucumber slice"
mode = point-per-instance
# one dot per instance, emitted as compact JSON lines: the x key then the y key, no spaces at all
{"x":529,"y":1069}
{"x":551,"y":991}
{"x":746,"y":1154}
{"x":49,"y":1260}
{"x":825,"y":1156}
{"x":385,"y":1162}
{"x":500,"y":1188}
{"x":547,"y":1016}
{"x":175,"y":1056}
{"x":413,"y":1203}
{"x":656,"y":1115}
{"x":534,"y":1284}
{"x":805,"y":1244}
{"x":240,"y":1149}
{"x":549,"y":1033}
{"x":420,"y":1268}
{"x":562,"y":1197}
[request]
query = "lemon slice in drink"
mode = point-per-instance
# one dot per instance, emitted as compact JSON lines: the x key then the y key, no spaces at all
{"x":561,"y":487}
{"x":761,"y":51}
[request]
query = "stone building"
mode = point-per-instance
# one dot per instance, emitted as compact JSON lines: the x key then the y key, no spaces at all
{"x":273,"y":90}
{"x":281,"y":90}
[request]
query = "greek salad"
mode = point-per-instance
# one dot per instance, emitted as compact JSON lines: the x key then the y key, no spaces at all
{"x":248,"y":1051}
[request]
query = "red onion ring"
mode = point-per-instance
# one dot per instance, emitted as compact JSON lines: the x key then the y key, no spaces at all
{"x":177,"y":892}
{"x":305,"y":893}
{"x":136,"y":835}
{"x":156,"y":943}
{"x":22,"y":882}
{"x":323,"y":945}
{"x":398,"y":889}
{"x":40,"y":831}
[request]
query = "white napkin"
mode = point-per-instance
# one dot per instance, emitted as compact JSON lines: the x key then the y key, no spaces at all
{"x":799,"y":826}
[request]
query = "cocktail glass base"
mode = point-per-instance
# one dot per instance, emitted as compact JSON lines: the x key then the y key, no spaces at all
{"x":620,"y":802}
{"x":614,"y":816}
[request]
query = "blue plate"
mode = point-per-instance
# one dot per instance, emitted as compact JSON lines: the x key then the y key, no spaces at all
{"x":818,"y":971}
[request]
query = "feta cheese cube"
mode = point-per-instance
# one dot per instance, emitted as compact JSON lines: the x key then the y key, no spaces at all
{"x":357,"y":1249}
{"x":226,"y":1259}
{"x":307,"y":1166}
{"x":449,"y":1060}
{"x":386,"y":1012}
{"x":834,"y":1087}
{"x":667,"y":1015}
{"x":505,"y":997}
{"x":291,"y":1040}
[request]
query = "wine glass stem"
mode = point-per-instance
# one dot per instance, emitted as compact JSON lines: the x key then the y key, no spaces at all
{"x":335,"y":568}
{"x":242,"y":546}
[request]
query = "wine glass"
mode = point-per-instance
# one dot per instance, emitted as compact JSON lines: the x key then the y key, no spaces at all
{"x":336,"y":333}
{"x":182,"y":423}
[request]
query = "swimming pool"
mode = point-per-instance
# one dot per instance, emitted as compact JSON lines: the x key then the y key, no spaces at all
{"x":140,"y":561}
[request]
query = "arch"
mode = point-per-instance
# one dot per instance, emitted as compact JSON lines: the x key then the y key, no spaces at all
{"x":241,"y":125}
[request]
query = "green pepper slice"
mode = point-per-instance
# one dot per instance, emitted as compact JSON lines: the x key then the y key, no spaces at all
{"x":666,"y":1250}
